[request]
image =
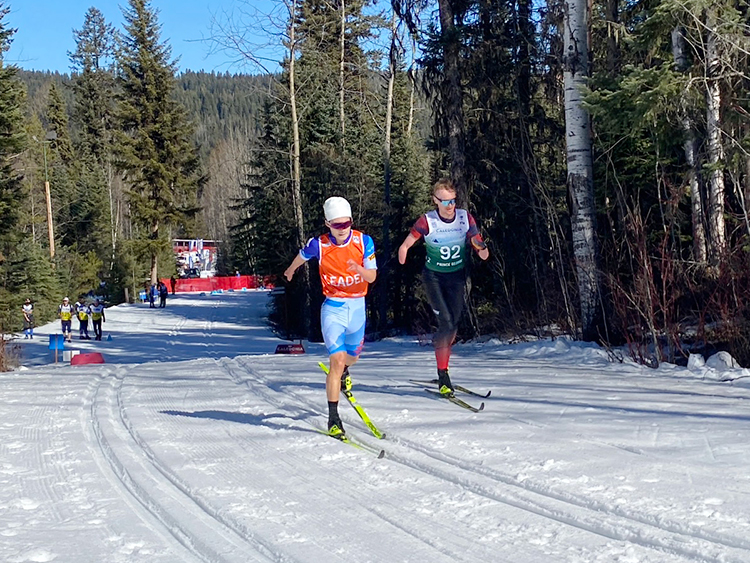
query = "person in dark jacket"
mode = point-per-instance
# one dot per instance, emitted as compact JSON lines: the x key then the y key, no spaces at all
{"x":163,"y":292}
{"x":97,"y":317}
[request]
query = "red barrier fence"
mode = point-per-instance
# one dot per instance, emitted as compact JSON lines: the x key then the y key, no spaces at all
{"x":224,"y":283}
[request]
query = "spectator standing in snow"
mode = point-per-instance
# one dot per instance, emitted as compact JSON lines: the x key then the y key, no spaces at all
{"x":97,"y":318}
{"x":82,"y":312}
{"x":347,"y":266}
{"x":163,"y":293}
{"x":65,"y":310}
{"x":446,"y":230}
{"x":28,"y":318}
{"x":151,"y":290}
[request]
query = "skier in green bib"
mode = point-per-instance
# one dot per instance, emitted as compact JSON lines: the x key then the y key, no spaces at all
{"x":446,"y":231}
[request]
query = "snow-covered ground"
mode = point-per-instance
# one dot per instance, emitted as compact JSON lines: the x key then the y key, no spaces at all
{"x":194,"y":442}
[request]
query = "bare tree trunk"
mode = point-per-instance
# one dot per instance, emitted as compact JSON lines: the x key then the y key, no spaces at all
{"x":112,"y":229}
{"x":613,"y":49}
{"x":453,"y":97}
{"x":580,"y":165}
{"x":413,"y":81}
{"x":716,"y":229}
{"x":342,"y":52}
{"x":154,"y":254}
{"x":295,"y":156}
{"x":386,"y":244}
{"x":696,"y":196}
{"x":295,"y":162}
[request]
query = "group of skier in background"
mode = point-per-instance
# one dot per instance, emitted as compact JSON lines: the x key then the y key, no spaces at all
{"x":83,"y":312}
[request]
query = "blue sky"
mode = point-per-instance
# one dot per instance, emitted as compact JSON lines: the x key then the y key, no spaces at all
{"x":45,"y":30}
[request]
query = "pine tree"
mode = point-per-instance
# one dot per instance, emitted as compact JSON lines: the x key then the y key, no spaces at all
{"x":155,"y":148}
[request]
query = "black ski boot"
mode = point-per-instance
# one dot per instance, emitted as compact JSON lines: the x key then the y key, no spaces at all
{"x":444,"y":383}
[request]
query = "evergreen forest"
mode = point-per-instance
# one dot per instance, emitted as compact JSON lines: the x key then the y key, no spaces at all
{"x":602,"y":148}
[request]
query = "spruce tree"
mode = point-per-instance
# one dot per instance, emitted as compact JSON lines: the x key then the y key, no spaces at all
{"x":154,"y":149}
{"x":94,"y":90}
{"x":93,"y":85}
{"x":12,"y":142}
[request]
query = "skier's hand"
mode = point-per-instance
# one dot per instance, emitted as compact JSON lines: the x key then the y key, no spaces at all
{"x":402,"y":255}
{"x":352,"y":266}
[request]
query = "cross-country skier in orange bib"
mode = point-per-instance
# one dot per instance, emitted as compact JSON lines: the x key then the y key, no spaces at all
{"x":446,"y":230}
{"x":347,"y":266}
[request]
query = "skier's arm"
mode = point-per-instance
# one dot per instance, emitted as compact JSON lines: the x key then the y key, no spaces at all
{"x":369,"y":275}
{"x":296,"y":263}
{"x":368,"y":268}
{"x":405,"y":246}
{"x":310,"y":250}
{"x":475,"y":238}
{"x":480,"y":247}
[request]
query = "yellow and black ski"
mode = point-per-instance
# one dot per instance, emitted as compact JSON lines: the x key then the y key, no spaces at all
{"x":360,"y":411}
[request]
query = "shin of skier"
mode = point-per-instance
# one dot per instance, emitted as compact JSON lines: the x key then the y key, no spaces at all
{"x":346,"y":261}
{"x":446,"y":231}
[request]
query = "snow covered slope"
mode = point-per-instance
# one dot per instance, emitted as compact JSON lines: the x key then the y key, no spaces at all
{"x":195,"y":443}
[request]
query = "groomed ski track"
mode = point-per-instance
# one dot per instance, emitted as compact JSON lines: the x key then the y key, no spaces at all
{"x":218,"y":458}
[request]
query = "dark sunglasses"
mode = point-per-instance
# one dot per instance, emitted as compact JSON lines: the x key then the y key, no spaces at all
{"x":341,"y":226}
{"x":446,"y":202}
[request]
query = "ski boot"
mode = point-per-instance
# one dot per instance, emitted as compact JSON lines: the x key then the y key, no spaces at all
{"x":444,"y":383}
{"x":336,"y":428}
{"x":346,"y":380}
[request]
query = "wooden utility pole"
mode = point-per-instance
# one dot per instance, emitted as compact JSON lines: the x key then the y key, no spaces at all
{"x":51,"y":136}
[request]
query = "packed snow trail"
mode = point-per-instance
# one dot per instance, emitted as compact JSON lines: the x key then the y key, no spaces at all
{"x":195,"y":443}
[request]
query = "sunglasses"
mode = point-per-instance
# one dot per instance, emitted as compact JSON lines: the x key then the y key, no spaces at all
{"x":341,"y":226}
{"x":446,"y":202}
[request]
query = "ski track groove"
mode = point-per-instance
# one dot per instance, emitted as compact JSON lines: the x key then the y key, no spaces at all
{"x":44,"y":453}
{"x":138,"y":472}
{"x":627,"y":526}
{"x":582,"y":502}
{"x":252,"y":381}
{"x":258,"y":544}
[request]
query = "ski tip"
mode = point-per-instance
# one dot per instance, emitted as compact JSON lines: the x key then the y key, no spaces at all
{"x":381,"y":455}
{"x":481,"y":407}
{"x":487,"y":396}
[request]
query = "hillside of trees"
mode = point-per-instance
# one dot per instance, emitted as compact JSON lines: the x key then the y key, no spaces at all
{"x":602,"y":148}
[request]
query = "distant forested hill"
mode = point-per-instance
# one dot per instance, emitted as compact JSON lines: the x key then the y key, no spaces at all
{"x":222,"y":106}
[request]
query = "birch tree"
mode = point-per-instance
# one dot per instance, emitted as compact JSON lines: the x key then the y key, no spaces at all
{"x":580,"y":164}
{"x":716,"y":228}
{"x":679,"y":48}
